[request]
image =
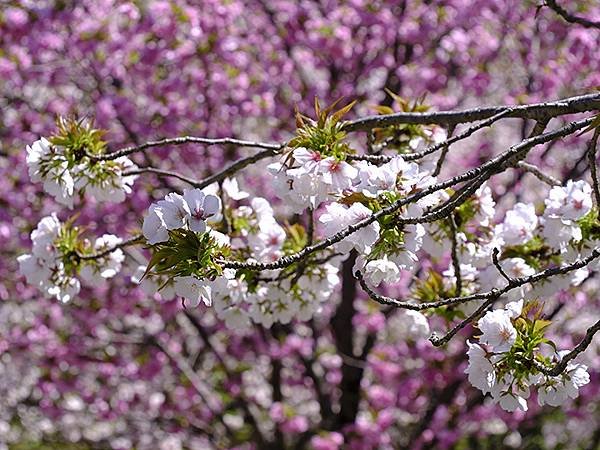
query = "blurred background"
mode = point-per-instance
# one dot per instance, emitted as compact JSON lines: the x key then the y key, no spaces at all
{"x":111,"y":369}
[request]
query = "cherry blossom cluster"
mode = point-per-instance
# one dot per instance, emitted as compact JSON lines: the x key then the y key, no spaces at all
{"x":56,"y":259}
{"x":525,"y":241}
{"x":238,"y":298}
{"x":503,"y":363}
{"x":67,"y":166}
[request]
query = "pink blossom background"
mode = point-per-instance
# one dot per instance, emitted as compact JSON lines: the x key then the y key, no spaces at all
{"x":107,"y":369}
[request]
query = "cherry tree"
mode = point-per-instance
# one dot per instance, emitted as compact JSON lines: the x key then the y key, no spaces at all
{"x":346,"y":301}
{"x":372,"y":210}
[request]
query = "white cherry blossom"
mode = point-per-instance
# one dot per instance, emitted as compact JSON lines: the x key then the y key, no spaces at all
{"x":571,"y":202}
{"x":105,"y":267}
{"x":558,"y":233}
{"x":174,"y":211}
{"x":232,"y":189}
{"x":519,"y":224}
{"x":497,"y":329}
{"x":480,"y":370}
{"x":510,"y":402}
{"x":200,"y":207}
{"x":193,"y":290}
{"x":557,"y":390}
{"x":339,"y":175}
{"x":337,"y":217}
{"x":381,"y":270}
{"x":154,"y":228}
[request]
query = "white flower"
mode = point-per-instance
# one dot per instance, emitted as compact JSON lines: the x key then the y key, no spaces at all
{"x":485,"y":206}
{"x":113,"y":186}
{"x":193,"y":290}
{"x":150,"y":284}
{"x":511,"y":402}
{"x":307,"y":188}
{"x":308,"y":159}
{"x":263,"y":210}
{"x":406,"y":257}
{"x":556,"y":390}
{"x":174,"y":211}
{"x":552,"y":394}
{"x":480,"y":370}
{"x":154,"y":228}
{"x":571,"y":202}
{"x":380,"y":270}
{"x":43,"y":237}
{"x":65,"y":288}
{"x":312,"y":179}
{"x":104,"y":180}
{"x":558,"y":232}
{"x":35,"y":155}
{"x":232,"y":189}
{"x":395,"y":175}
{"x":365,"y":237}
{"x":282,"y":185}
{"x":417,"y":324}
{"x":200,"y":207}
{"x":221,"y":239}
{"x":337,"y":217}
{"x":514,"y":309}
{"x":106,"y":267}
{"x":34,"y":270}
{"x":229,"y":305}
{"x":498,"y":331}
{"x":339,"y":175}
{"x":519,"y":224}
{"x":334,"y":218}
{"x":467,"y":273}
{"x":267,"y":244}
{"x":59,"y":183}
{"x":513,"y":267}
{"x":577,"y":377}
{"x":271,"y":304}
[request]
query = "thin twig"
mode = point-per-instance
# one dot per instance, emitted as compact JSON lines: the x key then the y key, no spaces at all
{"x":439,"y":341}
{"x":161,"y":173}
{"x":459,"y":137}
{"x":445,"y":148}
{"x":126,"y":243}
{"x":219,"y":176}
{"x":444,"y":145}
{"x":570,"y":17}
{"x":495,"y":292}
{"x":579,"y":348}
{"x":237,"y":166}
{"x":185,"y":140}
{"x":499,"y":267}
{"x":591,"y":154}
{"x":454,"y":252}
{"x":534,"y":170}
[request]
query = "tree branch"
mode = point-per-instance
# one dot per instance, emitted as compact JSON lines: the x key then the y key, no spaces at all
{"x":537,"y":111}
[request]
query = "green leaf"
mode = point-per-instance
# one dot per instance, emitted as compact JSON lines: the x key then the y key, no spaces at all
{"x":540,"y":325}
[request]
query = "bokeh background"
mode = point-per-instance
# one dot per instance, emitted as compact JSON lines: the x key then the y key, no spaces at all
{"x":111,"y":369}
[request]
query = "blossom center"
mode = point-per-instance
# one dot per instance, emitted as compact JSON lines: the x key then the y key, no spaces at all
{"x":334,"y":167}
{"x":199,"y":213}
{"x":505,"y":334}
